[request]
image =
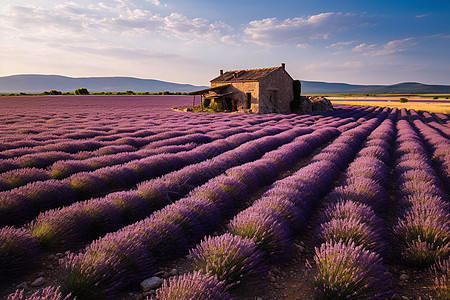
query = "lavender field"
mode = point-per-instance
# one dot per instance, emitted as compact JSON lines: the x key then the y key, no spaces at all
{"x":99,"y":193}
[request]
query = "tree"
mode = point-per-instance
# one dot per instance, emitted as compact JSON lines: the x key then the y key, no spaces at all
{"x":81,"y":91}
{"x":403,"y":100}
{"x":55,"y":92}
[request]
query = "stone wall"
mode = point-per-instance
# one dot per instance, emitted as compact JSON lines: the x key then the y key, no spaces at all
{"x":280,"y":83}
{"x":241,"y":89}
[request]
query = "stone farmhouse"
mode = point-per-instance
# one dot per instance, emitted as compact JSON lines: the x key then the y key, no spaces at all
{"x":267,"y":90}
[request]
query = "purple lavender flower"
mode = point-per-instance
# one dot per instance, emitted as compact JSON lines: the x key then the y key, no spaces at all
{"x":48,"y":293}
{"x":292,"y":214}
{"x":231,"y":258}
{"x":65,"y":168}
{"x":19,"y":250}
{"x":351,"y":230}
{"x":107,"y":266}
{"x":19,"y":177}
{"x":350,"y":272}
{"x":351,"y":209}
{"x":181,"y":215}
{"x":215,"y":194}
{"x":88,"y":185}
{"x":238,"y":191}
{"x":132,"y":206}
{"x":424,"y":232}
{"x":194,"y":285}
{"x":441,"y":272}
{"x":271,"y":234}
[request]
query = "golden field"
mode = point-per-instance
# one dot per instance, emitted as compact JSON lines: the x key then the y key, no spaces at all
{"x":432,"y":105}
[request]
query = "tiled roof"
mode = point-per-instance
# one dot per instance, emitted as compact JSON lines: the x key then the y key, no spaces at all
{"x":244,"y":75}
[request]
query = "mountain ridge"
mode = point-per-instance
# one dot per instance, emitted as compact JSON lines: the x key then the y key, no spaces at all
{"x":36,"y":83}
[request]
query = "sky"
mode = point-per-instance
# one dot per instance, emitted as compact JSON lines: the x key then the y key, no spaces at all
{"x":189,"y":41}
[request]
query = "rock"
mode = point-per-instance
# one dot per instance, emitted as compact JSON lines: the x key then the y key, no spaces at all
{"x":139,"y":297}
{"x":151,"y":283}
{"x":38,"y":282}
{"x":173,"y":272}
{"x":300,"y":248}
{"x":23,"y":285}
{"x":40,"y":274}
{"x":60,"y":255}
{"x":404,"y":277}
{"x":405,"y":298}
{"x":51,"y":257}
{"x":396,"y":297}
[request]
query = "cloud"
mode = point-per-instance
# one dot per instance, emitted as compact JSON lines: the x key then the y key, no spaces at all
{"x":184,"y":28}
{"x":298,"y":30}
{"x":392,"y":47}
{"x":341,"y":44}
{"x":118,"y":17}
{"x":422,"y":16}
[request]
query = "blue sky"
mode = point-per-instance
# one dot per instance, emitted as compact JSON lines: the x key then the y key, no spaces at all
{"x":188,"y":41}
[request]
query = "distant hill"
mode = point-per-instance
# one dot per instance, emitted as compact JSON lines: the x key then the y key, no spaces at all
{"x":40,"y":83}
{"x":406,"y":87}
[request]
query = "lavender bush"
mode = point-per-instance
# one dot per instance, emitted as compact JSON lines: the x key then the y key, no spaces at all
{"x":231,"y":258}
{"x":271,"y":235}
{"x":19,"y":251}
{"x":48,"y":293}
{"x":350,"y":272}
{"x":195,"y":286}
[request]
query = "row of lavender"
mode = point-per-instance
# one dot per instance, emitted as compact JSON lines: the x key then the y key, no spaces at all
{"x":23,"y":203}
{"x":263,"y":232}
{"x":423,"y":219}
{"x":350,"y":261}
{"x":179,"y":225}
{"x":352,"y":233}
{"x":339,"y":123}
{"x":83,"y":221}
{"x":44,"y":156}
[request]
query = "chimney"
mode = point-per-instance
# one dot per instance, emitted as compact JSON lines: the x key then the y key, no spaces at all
{"x":221,"y":72}
{"x":283,"y":65}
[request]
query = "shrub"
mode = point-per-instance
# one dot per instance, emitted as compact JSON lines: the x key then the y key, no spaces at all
{"x":129,"y":92}
{"x":350,"y":272}
{"x":214,"y":107}
{"x":206,"y":102}
{"x":231,"y":258}
{"x":81,"y":91}
{"x":195,"y":285}
{"x":271,"y":235}
{"x":55,"y":92}
{"x":425,"y":234}
{"x":18,"y":251}
{"x":441,"y":274}
{"x":351,"y":230}
{"x":48,"y":293}
{"x":403,"y":100}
